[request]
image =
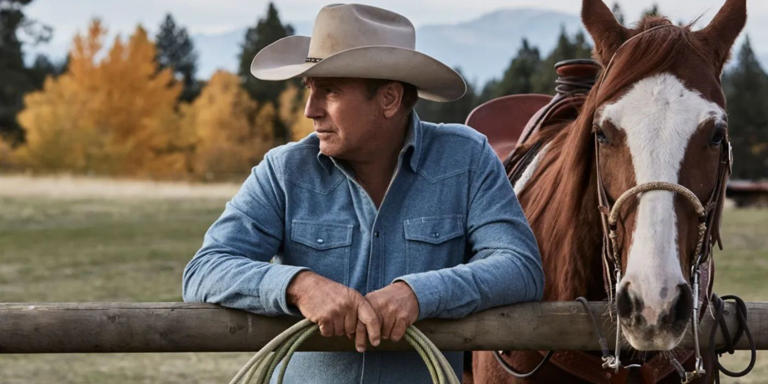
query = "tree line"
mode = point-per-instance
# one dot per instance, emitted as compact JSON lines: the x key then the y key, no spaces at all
{"x":135,"y":108}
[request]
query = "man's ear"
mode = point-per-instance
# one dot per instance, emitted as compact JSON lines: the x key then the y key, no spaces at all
{"x":390,"y":96}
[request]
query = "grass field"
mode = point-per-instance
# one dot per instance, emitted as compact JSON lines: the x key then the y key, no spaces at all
{"x":64,"y":240}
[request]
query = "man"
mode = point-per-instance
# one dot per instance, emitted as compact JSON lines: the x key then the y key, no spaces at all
{"x":377,"y":219}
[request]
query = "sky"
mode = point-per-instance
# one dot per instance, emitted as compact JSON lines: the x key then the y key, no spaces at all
{"x":218,"y":16}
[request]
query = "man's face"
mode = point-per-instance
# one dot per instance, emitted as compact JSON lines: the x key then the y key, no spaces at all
{"x":345,"y":118}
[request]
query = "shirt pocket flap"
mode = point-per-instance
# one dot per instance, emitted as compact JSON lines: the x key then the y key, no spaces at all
{"x":434,"y":230}
{"x":321,"y":236}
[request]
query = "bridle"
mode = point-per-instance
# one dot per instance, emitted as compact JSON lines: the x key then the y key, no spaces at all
{"x":708,"y":232}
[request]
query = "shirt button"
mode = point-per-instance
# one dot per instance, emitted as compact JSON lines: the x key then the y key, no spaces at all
{"x":436,"y":235}
{"x":320,"y":240}
{"x":376,"y":234}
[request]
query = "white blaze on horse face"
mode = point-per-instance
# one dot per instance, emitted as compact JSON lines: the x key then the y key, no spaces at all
{"x":659,"y":115}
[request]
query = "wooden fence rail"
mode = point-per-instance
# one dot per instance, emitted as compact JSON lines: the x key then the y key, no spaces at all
{"x":183,"y":327}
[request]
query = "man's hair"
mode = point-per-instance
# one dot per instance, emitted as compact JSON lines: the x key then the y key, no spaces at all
{"x":410,"y":93}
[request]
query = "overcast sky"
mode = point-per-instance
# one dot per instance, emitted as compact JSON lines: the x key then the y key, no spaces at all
{"x":214,"y":16}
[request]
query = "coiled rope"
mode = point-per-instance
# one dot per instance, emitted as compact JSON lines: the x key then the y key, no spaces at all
{"x":260,"y":368}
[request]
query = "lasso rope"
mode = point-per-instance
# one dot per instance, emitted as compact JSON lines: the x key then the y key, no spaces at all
{"x":262,"y":365}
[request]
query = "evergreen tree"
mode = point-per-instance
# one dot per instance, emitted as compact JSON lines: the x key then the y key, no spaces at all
{"x":567,"y":48}
{"x":618,"y":13}
{"x":267,"y":30}
{"x":451,"y":112}
{"x":652,"y":11}
{"x":13,"y":76}
{"x":746,"y":88}
{"x":518,"y":78}
{"x":175,"y":50}
{"x":42,"y":67}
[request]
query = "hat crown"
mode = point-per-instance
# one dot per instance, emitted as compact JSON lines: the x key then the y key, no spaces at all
{"x":340,"y":27}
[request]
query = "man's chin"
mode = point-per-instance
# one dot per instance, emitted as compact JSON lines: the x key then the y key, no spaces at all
{"x":328,"y":149}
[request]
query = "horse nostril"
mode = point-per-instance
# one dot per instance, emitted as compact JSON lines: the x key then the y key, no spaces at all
{"x":680,"y":311}
{"x":684,"y":304}
{"x":627,"y":303}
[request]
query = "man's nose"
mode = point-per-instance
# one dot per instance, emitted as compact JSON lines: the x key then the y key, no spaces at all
{"x":313,"y":109}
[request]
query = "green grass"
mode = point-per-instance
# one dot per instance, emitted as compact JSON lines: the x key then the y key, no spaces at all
{"x":65,"y":250}
{"x":54,"y":250}
{"x":741,"y":269}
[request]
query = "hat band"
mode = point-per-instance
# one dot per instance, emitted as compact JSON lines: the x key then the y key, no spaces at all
{"x":313,"y":60}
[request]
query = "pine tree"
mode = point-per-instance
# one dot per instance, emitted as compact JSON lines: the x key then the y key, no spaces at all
{"x":618,"y":13}
{"x":567,"y":48}
{"x":746,"y":89}
{"x":13,"y":76}
{"x":518,"y":78}
{"x":175,"y":50}
{"x":267,"y":30}
{"x":652,"y":11}
{"x":450,"y":112}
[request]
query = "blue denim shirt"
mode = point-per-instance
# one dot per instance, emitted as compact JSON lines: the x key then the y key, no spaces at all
{"x":449,"y":226}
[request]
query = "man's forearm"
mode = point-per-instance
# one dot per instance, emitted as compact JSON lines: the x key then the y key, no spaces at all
{"x":239,"y":282}
{"x":500,"y":278}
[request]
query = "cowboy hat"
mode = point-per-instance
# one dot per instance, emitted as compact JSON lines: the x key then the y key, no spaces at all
{"x":361,"y":41}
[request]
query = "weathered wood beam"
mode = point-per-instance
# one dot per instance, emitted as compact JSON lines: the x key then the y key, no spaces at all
{"x":183,"y":327}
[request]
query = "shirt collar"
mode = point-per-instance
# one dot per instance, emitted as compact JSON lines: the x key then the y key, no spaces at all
{"x":412,"y":142}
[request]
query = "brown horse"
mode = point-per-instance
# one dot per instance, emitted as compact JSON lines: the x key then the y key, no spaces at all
{"x":656,"y":118}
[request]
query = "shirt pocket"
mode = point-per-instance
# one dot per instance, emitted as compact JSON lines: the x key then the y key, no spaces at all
{"x":323,"y":247}
{"x":434,"y":242}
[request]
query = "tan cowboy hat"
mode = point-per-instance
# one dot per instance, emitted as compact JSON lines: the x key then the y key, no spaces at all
{"x":361,"y":41}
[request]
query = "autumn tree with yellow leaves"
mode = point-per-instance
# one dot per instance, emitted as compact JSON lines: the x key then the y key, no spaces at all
{"x":112,"y":115}
{"x":118,"y":114}
{"x":231,"y":133}
{"x":292,"y":102}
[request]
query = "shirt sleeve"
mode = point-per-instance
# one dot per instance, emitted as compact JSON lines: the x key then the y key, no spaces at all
{"x":232,"y":268}
{"x":504,"y":265}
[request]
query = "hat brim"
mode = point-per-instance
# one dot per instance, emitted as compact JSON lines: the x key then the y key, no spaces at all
{"x":285,"y":59}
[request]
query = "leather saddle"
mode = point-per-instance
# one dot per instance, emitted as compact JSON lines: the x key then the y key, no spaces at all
{"x":510,"y":121}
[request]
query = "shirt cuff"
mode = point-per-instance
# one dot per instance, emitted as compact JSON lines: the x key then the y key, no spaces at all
{"x":273,"y":287}
{"x":426,"y":287}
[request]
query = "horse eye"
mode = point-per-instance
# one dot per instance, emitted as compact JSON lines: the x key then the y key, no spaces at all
{"x":718,"y":135}
{"x":601,"y":138}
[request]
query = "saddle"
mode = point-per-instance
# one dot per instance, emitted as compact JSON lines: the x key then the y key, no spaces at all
{"x":510,"y":121}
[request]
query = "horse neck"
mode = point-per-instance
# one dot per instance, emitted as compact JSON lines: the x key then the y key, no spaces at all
{"x":570,"y":242}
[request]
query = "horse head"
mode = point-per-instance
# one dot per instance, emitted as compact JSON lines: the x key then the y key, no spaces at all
{"x":658,"y":118}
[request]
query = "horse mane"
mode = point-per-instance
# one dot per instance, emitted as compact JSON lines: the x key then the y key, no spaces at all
{"x":560,"y":199}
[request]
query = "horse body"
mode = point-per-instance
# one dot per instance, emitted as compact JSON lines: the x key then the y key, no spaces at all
{"x":657,"y":115}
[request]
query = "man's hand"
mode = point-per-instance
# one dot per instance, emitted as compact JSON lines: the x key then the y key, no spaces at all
{"x":397,"y":307}
{"x":338,"y":310}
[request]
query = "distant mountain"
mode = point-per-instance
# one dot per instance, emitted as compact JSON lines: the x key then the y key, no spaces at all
{"x":481,"y":47}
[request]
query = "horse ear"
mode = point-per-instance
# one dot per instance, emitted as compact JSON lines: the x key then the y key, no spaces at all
{"x":722,"y":31}
{"x":606,"y":31}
